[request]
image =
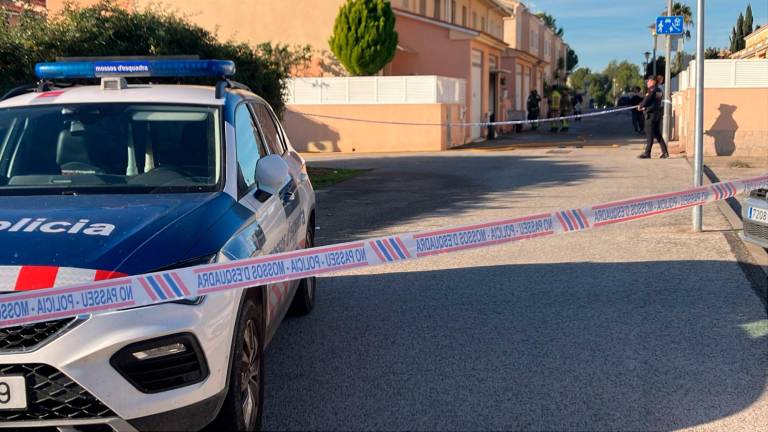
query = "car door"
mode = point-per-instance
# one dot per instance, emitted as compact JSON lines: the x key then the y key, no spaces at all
{"x":265,"y":231}
{"x":294,"y":195}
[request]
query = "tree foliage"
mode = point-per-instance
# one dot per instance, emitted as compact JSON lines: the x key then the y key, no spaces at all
{"x":579,"y":78}
{"x":742,"y":29}
{"x":364,"y":37}
{"x":712,"y":53}
{"x":573,"y":59}
{"x":661,"y":64}
{"x":625,"y":74}
{"x":684,"y":10}
{"x":746,"y":28}
{"x":106,"y":29}
{"x":680,"y":62}
{"x":599,"y":89}
{"x":551,"y":22}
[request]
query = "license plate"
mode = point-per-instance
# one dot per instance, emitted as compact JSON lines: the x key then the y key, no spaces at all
{"x":757,"y":214}
{"x":13,"y":393}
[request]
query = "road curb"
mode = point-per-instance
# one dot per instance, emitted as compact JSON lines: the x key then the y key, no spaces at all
{"x":758,"y":255}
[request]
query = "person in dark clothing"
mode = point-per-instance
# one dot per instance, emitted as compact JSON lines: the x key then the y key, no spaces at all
{"x":533,"y":108}
{"x":637,"y":116}
{"x":652,"y":107}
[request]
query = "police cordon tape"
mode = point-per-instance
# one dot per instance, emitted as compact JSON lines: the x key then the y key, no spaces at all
{"x":460,"y":124}
{"x":172,"y":285}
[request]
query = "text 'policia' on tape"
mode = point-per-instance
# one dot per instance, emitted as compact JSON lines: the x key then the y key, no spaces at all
{"x":142,"y":290}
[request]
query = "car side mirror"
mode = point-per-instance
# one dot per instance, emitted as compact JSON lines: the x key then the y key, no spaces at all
{"x":271,"y":172}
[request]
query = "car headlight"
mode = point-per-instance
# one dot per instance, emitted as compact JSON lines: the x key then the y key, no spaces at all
{"x":207,"y":259}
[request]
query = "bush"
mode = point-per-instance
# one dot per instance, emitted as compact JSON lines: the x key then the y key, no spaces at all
{"x":364,"y":37}
{"x":108,"y":30}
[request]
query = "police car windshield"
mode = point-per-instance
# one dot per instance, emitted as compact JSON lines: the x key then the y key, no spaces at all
{"x":109,"y":148}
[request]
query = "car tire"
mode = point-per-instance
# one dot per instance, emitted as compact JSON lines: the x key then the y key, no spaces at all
{"x":304,"y":299}
{"x":243,"y":405}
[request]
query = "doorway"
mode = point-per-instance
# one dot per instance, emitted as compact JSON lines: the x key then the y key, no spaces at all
{"x":476,"y":106}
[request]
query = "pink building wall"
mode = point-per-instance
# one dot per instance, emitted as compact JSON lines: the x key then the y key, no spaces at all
{"x":314,"y":134}
{"x":428,"y":49}
{"x":735,"y":121}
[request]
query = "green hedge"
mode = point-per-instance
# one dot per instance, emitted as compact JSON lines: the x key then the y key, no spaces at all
{"x":108,"y":30}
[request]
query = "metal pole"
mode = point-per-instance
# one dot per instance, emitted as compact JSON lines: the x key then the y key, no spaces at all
{"x":699,"y":119}
{"x":654,"y":53}
{"x":667,"y":84}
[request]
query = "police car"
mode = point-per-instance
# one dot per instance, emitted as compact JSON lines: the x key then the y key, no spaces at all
{"x":102,"y":181}
{"x":755,"y":217}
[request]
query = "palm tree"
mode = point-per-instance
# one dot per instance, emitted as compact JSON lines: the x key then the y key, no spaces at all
{"x":684,"y":10}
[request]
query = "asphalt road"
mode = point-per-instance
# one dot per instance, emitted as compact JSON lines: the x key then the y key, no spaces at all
{"x":641,"y":326}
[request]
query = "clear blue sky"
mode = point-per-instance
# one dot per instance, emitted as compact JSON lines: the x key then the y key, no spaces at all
{"x":603,"y":30}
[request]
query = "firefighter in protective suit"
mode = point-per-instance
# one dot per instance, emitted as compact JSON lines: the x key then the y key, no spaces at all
{"x":555,"y":100}
{"x":566,"y":108}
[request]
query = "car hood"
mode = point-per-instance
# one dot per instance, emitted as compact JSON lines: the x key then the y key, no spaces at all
{"x":127,"y":233}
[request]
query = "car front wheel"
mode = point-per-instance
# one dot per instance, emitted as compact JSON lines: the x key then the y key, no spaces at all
{"x":304,"y":300}
{"x":242,"y":408}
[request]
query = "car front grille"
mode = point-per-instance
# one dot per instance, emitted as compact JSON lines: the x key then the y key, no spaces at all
{"x":29,"y":336}
{"x":759,"y":193}
{"x":51,"y":395}
{"x":756,"y":230}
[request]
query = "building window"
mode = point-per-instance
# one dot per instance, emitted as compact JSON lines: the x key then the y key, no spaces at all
{"x":453,"y":17}
{"x":423,"y":7}
{"x":464,"y":16}
{"x":482,"y":23}
{"x":474,"y":20}
{"x":547,"y":48}
{"x":406,"y":4}
{"x":534,"y":45}
{"x":436,"y":11}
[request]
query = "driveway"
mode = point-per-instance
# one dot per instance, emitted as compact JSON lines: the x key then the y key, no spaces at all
{"x":640,"y":326}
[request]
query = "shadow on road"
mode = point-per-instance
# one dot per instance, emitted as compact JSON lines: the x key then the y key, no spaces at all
{"x":405,"y":187}
{"x":575,"y":346}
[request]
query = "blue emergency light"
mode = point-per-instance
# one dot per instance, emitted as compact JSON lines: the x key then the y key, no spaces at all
{"x":135,"y":68}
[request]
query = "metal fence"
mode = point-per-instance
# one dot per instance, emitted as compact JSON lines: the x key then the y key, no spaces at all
{"x":422,"y":89}
{"x":728,"y":74}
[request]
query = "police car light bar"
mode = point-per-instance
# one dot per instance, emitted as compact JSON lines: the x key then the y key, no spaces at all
{"x":136,"y":68}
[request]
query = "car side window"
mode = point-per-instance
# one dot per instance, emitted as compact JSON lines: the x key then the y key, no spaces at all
{"x":250,"y":148}
{"x":271,"y":131}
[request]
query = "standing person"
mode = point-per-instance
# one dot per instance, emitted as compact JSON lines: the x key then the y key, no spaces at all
{"x":660,"y":91}
{"x":565,"y":110}
{"x":554,"y":108}
{"x":577,"y":101}
{"x":533,"y":106}
{"x":637,"y":116}
{"x":652,"y":107}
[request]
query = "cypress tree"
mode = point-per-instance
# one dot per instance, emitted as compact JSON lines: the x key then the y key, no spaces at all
{"x":734,"y":43}
{"x":748,"y":21}
{"x":364,"y":37}
{"x":740,"y":33}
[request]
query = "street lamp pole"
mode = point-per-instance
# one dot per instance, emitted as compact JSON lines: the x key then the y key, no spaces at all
{"x":667,"y":100}
{"x":653,"y":34}
{"x":699,"y":118}
{"x":647,"y":56}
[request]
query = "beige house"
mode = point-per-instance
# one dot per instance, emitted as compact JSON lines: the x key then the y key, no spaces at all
{"x":756,"y":45}
{"x":531,"y":57}
{"x":10,"y":9}
{"x":497,"y":48}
